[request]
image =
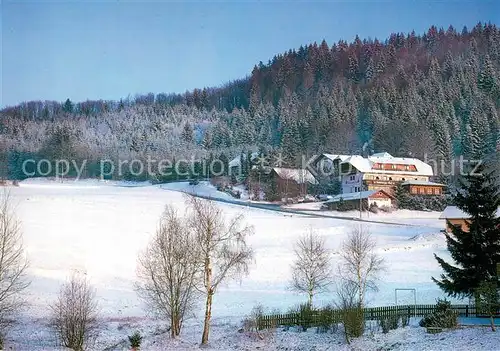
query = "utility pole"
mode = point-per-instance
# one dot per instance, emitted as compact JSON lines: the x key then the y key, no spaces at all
{"x":360,"y":199}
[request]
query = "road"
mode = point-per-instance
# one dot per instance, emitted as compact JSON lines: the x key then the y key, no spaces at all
{"x":278,"y":208}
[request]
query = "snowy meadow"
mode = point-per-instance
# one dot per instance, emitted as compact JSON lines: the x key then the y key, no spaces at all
{"x":98,"y":228}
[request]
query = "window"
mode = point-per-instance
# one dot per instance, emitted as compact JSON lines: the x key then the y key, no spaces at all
{"x":403,"y":179}
{"x":413,"y":190}
{"x":377,"y":178}
{"x":353,"y":177}
{"x":393,"y":166}
{"x":390,"y":178}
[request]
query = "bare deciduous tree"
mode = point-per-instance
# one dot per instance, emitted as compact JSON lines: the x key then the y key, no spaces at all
{"x":168,"y":270}
{"x":13,"y":263}
{"x":223,"y":249}
{"x":75,"y":314}
{"x":311,"y":272}
{"x":359,"y":262}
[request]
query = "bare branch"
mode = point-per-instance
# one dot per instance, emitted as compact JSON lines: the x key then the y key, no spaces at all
{"x":13,"y":263}
{"x":75,"y":314}
{"x":168,"y":271}
{"x":359,"y":263}
{"x":222,"y":249}
{"x":311,"y":270}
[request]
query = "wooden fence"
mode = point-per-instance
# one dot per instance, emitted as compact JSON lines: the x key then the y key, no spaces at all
{"x":323,"y":317}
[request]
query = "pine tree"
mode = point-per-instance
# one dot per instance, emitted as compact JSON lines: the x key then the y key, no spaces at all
{"x":486,"y":80}
{"x":68,"y":106}
{"x":187,"y":133}
{"x":207,"y":140}
{"x":475,"y":252}
{"x":354,"y":68}
{"x":370,"y":71}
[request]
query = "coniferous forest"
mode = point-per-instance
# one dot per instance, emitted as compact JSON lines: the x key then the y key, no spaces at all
{"x":434,"y":94}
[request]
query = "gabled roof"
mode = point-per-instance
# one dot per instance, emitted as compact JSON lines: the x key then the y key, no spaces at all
{"x":356,"y":196}
{"x":365,"y":165}
{"x":334,"y":157}
{"x":453,"y":212}
{"x":298,"y":175}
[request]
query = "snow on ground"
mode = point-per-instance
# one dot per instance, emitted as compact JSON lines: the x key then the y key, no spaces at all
{"x":99,"y":228}
{"x":225,"y":335}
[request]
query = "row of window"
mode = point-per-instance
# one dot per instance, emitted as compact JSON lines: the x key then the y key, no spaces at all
{"x":428,"y":191}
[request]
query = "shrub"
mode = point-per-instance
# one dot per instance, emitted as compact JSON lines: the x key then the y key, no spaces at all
{"x":405,"y":320}
{"x":374,"y":208}
{"x":325,"y":320}
{"x":75,"y":314}
{"x":386,"y":209}
{"x":354,"y":322}
{"x":135,"y":340}
{"x":442,"y":317}
{"x":305,"y":316}
{"x":252,"y":323}
{"x":389,"y":323}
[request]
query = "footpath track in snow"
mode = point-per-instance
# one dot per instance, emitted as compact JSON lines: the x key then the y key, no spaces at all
{"x":277,"y":208}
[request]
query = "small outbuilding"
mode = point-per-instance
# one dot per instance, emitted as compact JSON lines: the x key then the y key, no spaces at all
{"x":455,"y":217}
{"x":292,"y":182}
{"x":363,"y":199}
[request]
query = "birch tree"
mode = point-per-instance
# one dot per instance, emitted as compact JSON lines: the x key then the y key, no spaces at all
{"x":13,"y":263}
{"x":168,"y":271}
{"x":311,"y":272}
{"x":360,"y":264}
{"x":221,"y":247}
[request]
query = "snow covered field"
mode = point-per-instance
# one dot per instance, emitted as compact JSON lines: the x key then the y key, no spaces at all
{"x":99,"y":228}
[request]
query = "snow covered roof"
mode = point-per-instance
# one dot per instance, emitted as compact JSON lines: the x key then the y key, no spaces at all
{"x":453,"y":212}
{"x":421,"y":182}
{"x":365,"y":165}
{"x":334,"y":157}
{"x":297,"y":174}
{"x":382,"y":154}
{"x":235,"y":162}
{"x":355,"y":196}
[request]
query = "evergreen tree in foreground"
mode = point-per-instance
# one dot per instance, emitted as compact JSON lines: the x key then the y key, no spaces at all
{"x":477,"y":251}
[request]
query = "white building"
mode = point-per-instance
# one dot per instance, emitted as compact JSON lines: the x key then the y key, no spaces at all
{"x":381,"y":171}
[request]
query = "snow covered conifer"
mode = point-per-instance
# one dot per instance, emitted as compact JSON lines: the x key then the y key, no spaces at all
{"x":477,"y":251}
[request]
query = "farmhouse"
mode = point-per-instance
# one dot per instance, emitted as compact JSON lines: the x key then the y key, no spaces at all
{"x":382,"y":171}
{"x":455,"y":217}
{"x":291,"y":182}
{"x":353,"y":201}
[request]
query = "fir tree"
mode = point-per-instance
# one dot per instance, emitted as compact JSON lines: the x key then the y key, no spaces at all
{"x":475,"y":252}
{"x":187,"y":133}
{"x":486,"y":80}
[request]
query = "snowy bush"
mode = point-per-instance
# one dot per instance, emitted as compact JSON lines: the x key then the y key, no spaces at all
{"x":304,"y":314}
{"x":442,"y":317}
{"x":374,"y":208}
{"x":386,"y":209}
{"x":326,"y":321}
{"x":75,"y":314}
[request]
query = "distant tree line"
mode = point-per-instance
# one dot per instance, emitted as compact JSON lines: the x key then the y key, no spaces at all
{"x":436,"y":94}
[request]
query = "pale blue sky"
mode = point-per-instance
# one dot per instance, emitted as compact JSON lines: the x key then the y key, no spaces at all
{"x":53,"y":50}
